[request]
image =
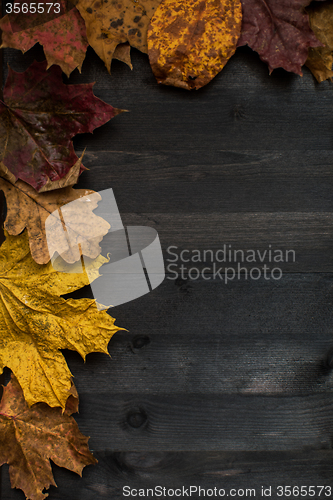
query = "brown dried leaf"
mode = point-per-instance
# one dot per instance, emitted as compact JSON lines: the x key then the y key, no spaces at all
{"x":28,"y":209}
{"x":72,"y":404}
{"x":115,"y":22}
{"x":123,"y":54}
{"x":190,"y":41}
{"x":30,"y":437}
{"x":320,"y":59}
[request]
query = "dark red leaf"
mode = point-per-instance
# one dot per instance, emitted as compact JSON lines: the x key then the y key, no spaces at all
{"x":38,"y":118}
{"x":62,"y":34}
{"x":279,"y":31}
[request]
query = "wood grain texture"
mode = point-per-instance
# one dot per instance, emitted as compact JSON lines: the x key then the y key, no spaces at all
{"x":202,"y":337}
{"x":212,"y":422}
{"x":212,"y":382}
{"x":214,"y":180}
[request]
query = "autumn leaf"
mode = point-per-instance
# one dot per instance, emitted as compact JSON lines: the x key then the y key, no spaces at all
{"x":69,"y":179}
{"x":38,"y":118}
{"x":320,"y":59}
{"x":279,"y":31}
{"x":30,"y":437}
{"x":72,"y":403}
{"x":35,"y":322}
{"x":28,"y":209}
{"x":190,"y":41}
{"x":116,"y":22}
{"x":63,"y":35}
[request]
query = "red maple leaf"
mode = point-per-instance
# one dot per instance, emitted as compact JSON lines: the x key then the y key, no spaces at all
{"x":38,"y":118}
{"x":60,"y":29}
{"x":279,"y":31}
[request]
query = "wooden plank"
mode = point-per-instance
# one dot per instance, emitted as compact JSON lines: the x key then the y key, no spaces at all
{"x":297,"y":304}
{"x":191,"y":422}
{"x":241,"y":109}
{"x":195,"y":181}
{"x":208,"y":364}
{"x":227,"y":470}
{"x":246,"y":210}
{"x":307,"y":234}
{"x":207,"y":337}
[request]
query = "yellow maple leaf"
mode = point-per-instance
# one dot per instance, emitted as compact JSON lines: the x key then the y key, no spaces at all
{"x":35,"y":322}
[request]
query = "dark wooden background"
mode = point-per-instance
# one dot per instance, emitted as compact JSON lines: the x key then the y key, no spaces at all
{"x":213,"y":384}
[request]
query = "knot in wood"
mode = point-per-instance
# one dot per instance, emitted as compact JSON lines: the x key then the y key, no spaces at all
{"x":136,"y":418}
{"x":140,"y":341}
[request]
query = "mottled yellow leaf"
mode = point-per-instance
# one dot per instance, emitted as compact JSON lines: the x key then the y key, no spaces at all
{"x":114,"y":22}
{"x":190,"y":41}
{"x":35,"y":322}
{"x":320,"y":59}
{"x":30,"y":437}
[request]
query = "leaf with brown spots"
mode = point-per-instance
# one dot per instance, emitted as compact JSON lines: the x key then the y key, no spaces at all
{"x":28,"y":209}
{"x":190,"y":41}
{"x":320,"y":59}
{"x":113,"y":22}
{"x":38,"y":118}
{"x":36,"y":322}
{"x":62,"y":35}
{"x":31,"y":437}
{"x":279,"y":31}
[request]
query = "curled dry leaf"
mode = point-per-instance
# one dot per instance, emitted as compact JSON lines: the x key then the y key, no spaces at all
{"x":190,"y":41}
{"x":72,"y":403}
{"x":116,"y":22}
{"x":38,"y":118}
{"x":30,"y":437}
{"x":123,"y":53}
{"x":36,"y":322}
{"x":63,"y":35}
{"x":320,"y":59}
{"x":279,"y":31}
{"x":28,"y":209}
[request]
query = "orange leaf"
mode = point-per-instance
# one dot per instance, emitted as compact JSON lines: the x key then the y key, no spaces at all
{"x":189,"y":42}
